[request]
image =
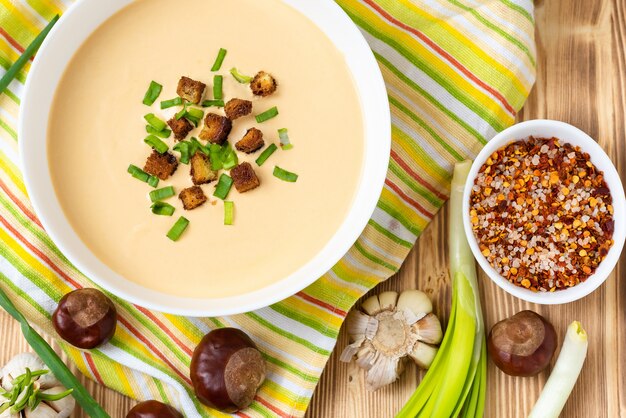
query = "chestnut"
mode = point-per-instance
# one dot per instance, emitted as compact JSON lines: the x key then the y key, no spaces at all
{"x":523,"y":344}
{"x":227,"y":369}
{"x":85,"y":318}
{"x":153,"y":409}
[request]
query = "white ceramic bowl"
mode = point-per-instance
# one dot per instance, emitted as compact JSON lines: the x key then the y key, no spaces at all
{"x":567,"y":134}
{"x":70,"y":32}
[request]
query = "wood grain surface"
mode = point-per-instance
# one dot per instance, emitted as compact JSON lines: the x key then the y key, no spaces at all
{"x":581,"y":80}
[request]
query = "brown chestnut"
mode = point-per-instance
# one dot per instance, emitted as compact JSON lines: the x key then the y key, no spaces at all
{"x":85,"y":318}
{"x":227,"y":369}
{"x":153,"y":409}
{"x":523,"y":344}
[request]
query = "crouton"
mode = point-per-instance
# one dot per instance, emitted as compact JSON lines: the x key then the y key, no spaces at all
{"x":190,"y":90}
{"x":236,"y":108}
{"x":181,"y":127}
{"x":244,"y":178}
{"x":201,"y":171}
{"x":161,"y":165}
{"x":251,"y":141}
{"x":216,"y":128}
{"x":263,"y":84}
{"x":192,"y":197}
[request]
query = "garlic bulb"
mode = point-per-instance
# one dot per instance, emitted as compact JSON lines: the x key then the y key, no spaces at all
{"x":390,"y":329}
{"x":29,"y":390}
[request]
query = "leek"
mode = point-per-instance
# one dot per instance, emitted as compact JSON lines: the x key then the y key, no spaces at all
{"x":455,"y":384}
{"x":564,"y":375}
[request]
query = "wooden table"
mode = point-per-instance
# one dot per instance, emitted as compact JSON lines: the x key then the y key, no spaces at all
{"x":581,"y":80}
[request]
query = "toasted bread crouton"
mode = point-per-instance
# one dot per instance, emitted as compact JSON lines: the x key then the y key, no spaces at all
{"x":161,"y":165}
{"x":251,"y":141}
{"x":216,"y":128}
{"x":263,"y":84}
{"x":192,"y":197}
{"x":236,"y":108}
{"x":201,"y":171}
{"x":181,"y":127}
{"x":244,"y":177}
{"x":190,"y":90}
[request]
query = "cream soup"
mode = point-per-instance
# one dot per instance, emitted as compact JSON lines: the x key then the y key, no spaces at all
{"x":96,"y":130}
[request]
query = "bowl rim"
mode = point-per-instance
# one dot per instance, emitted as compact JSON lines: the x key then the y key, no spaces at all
{"x":566,"y":133}
{"x":77,"y":23}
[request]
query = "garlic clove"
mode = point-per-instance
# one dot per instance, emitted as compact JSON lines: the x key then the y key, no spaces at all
{"x":371,"y":305}
{"x":17,"y":366}
{"x":366,"y":356}
{"x":382,"y":373}
{"x":63,"y":407}
{"x":388,"y":300}
{"x":415,"y":301}
{"x":9,"y":414}
{"x":356,"y":324}
{"x":42,"y":411}
{"x":350,"y":351}
{"x":423,"y":354}
{"x":428,"y":329}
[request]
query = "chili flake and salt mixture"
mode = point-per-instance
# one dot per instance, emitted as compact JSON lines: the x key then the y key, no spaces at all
{"x":541,"y":213}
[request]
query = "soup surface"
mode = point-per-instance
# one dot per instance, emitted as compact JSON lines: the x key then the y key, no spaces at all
{"x":96,"y":130}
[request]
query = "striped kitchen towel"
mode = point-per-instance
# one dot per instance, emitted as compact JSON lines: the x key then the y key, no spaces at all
{"x":456,"y":72}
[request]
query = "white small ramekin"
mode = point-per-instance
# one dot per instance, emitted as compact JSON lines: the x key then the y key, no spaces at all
{"x":566,"y":134}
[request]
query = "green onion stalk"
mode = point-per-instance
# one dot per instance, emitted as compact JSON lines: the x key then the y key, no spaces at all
{"x":455,"y":384}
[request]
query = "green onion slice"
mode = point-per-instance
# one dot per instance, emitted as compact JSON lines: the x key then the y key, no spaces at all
{"x":165,"y":133}
{"x":152,"y":94}
{"x":229,"y":212}
{"x":183,"y":147}
{"x":160,"y":146}
{"x":28,"y":53}
{"x":153,"y":181}
{"x":219,"y":60}
{"x":194,"y":113}
{"x":182,"y":112}
{"x":230,"y":161}
{"x":216,"y":103}
{"x":266,"y":154}
{"x":283,"y":135}
{"x":223,"y":186}
{"x":215,"y":153}
{"x":166,"y":104}
{"x":162,"y":208}
{"x":163,"y":193}
{"x":243,"y":79}
{"x":155,"y":122}
{"x":285,"y":175}
{"x":138,"y":173}
{"x":197,"y":146}
{"x":267,"y":115}
{"x":217,"y":87}
{"x":178,"y":228}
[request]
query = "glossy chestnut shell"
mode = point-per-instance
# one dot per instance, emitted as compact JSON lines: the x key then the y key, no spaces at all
{"x":85,"y":318}
{"x":523,"y":344}
{"x":153,"y":409}
{"x":227,"y":369}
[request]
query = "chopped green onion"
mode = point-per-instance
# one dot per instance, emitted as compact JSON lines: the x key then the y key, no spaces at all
{"x":53,"y":361}
{"x":219,"y":60}
{"x":153,"y":181}
{"x":217,"y":87}
{"x":138,"y":173}
{"x":285,"y":175}
{"x":160,"y":146}
{"x":28,"y":53}
{"x":196,"y":145}
{"x":229,"y":212}
{"x":163,"y":193}
{"x":182,"y":112}
{"x":215,"y":153}
{"x":183,"y":148}
{"x":162,"y":208}
{"x":267,"y":115}
{"x":216,"y":103}
{"x":230,"y":160}
{"x":194,"y":115}
{"x":266,"y":154}
{"x":223,"y":186}
{"x":243,"y":79}
{"x":283,"y":135}
{"x":152,"y":94}
{"x":155,"y":122}
{"x":177,"y":230}
{"x":165,"y":133}
{"x":166,"y":104}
